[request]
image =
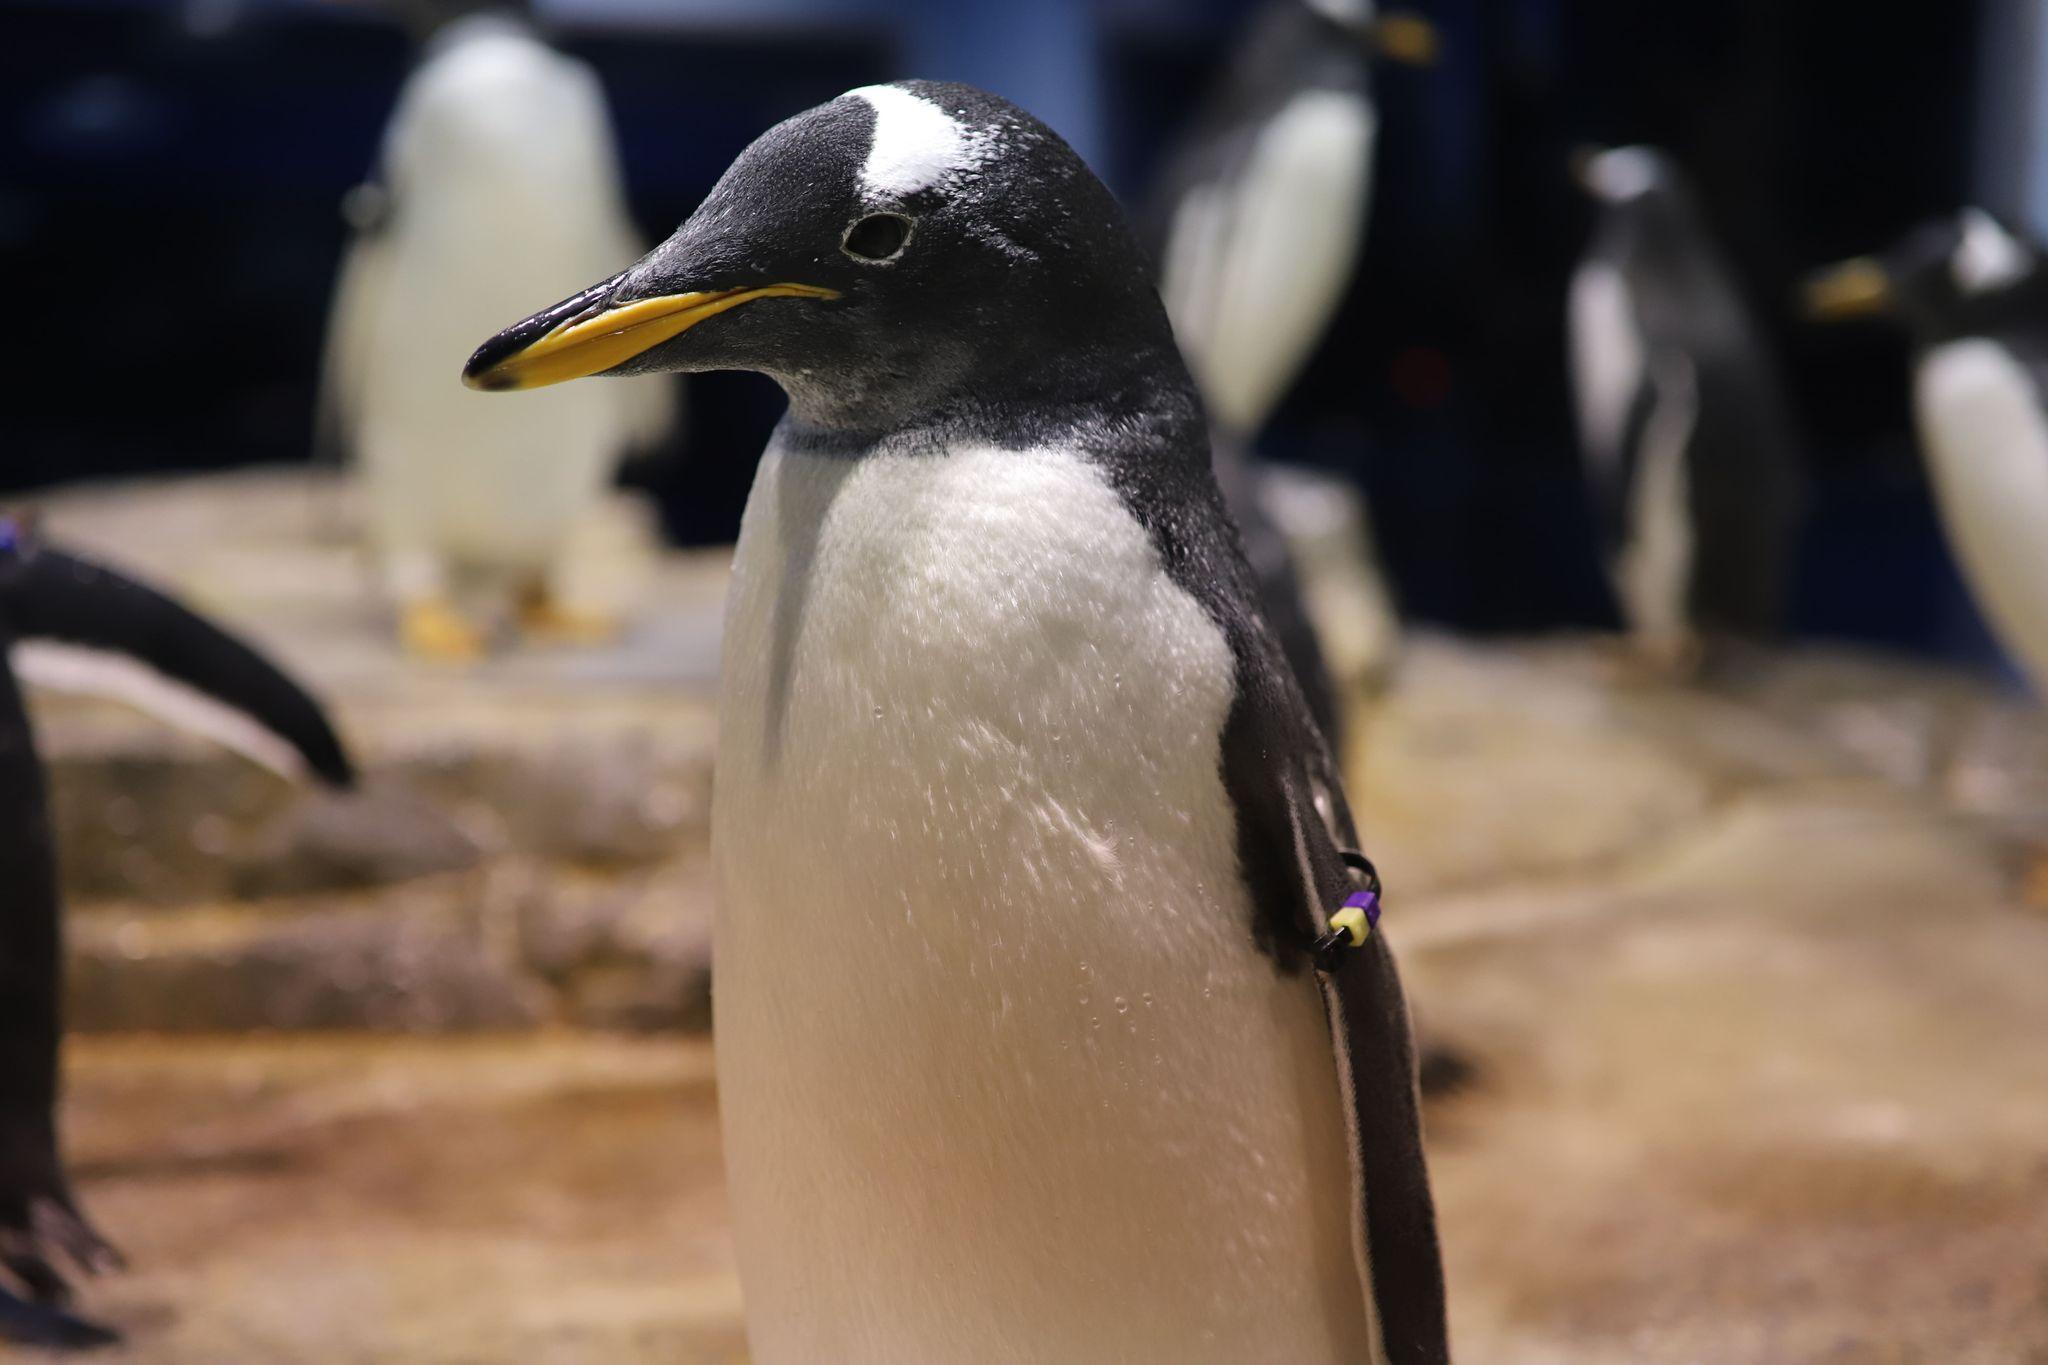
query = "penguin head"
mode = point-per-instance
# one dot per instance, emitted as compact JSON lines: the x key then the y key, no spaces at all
{"x":1396,"y":35}
{"x":1618,"y":177}
{"x":900,"y":250}
{"x":1647,"y":213}
{"x":1945,"y":279}
{"x":1352,"y":14}
{"x":425,"y":19}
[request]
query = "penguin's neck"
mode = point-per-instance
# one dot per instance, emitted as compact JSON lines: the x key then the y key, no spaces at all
{"x":1008,"y":388}
{"x":1065,"y":399}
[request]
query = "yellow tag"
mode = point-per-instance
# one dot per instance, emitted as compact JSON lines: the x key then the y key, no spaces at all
{"x":1353,"y":922}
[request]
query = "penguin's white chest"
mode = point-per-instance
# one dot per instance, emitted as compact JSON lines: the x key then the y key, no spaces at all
{"x":1607,"y":360}
{"x":1256,"y":264}
{"x":1986,"y":439}
{"x":1003,"y":1076}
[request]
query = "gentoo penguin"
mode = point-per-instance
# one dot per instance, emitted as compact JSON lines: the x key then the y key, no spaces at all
{"x":1256,"y":225}
{"x":1023,"y":830}
{"x":72,"y":624}
{"x":498,"y":174}
{"x":1975,"y":297}
{"x":1689,"y":446}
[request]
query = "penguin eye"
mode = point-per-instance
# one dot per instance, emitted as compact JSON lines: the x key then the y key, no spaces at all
{"x":877,"y":238}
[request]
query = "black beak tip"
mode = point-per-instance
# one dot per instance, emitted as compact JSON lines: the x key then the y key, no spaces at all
{"x":484,"y":380}
{"x":478,"y":373}
{"x":481,"y":370}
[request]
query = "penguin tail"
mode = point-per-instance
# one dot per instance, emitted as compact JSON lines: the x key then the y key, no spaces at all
{"x":78,"y":626}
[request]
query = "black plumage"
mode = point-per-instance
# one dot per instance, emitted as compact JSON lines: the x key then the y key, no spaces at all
{"x":45,"y":595}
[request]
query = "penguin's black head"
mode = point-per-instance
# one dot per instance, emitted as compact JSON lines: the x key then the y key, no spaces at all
{"x":1953,"y":277}
{"x":900,"y":250}
{"x":425,"y":18}
{"x":1649,"y":221}
{"x":1396,"y":35}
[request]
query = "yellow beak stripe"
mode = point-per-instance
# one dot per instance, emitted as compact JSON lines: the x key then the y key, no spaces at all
{"x":1407,"y":37}
{"x":616,"y":335}
{"x":1855,"y":288}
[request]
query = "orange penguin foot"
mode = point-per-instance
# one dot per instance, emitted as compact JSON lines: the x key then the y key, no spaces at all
{"x":2034,"y":878}
{"x":544,"y":619}
{"x":430,"y":628}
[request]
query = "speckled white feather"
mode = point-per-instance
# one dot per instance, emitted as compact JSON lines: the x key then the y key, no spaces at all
{"x":917,"y":145}
{"x":1003,"y":1077}
{"x":1983,"y":428}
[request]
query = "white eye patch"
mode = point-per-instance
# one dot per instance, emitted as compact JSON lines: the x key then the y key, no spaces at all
{"x":916,"y":145}
{"x":1345,"y":11}
{"x":1988,"y":257}
{"x":1622,"y":174}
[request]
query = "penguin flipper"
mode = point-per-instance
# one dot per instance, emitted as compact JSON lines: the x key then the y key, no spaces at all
{"x":1291,"y":817}
{"x":80,"y":626}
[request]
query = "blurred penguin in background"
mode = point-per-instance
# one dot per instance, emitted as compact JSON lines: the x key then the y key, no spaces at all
{"x":1256,"y":227}
{"x":1689,"y":445}
{"x":72,"y":625}
{"x":1974,"y":295}
{"x":498,"y":185}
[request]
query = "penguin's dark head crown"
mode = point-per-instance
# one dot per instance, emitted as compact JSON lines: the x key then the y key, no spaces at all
{"x":1649,"y":223}
{"x":426,"y":18}
{"x":900,"y":250}
{"x":1949,"y":278}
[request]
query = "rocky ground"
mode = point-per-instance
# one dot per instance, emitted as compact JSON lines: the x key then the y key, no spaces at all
{"x":525,"y":833}
{"x":1746,"y":999}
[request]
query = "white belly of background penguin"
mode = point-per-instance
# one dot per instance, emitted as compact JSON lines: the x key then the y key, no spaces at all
{"x":1986,"y":438}
{"x":1026,"y":837}
{"x":991,"y":1032}
{"x":504,"y":187}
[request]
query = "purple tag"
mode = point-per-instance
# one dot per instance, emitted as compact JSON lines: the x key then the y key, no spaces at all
{"x":1368,"y":901}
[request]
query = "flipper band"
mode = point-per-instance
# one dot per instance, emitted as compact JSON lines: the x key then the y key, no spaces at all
{"x":1352,"y":924}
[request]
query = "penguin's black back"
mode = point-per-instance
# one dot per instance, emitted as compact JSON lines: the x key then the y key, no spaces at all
{"x":1276,"y":763}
